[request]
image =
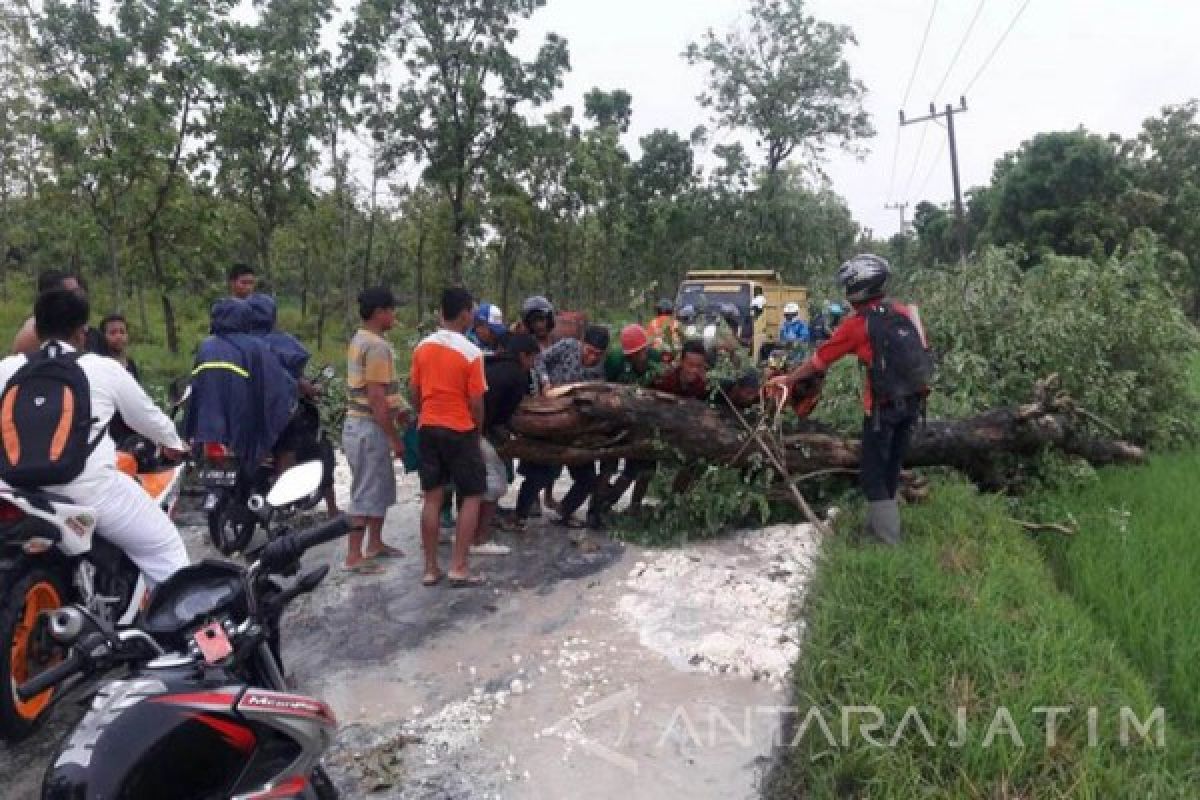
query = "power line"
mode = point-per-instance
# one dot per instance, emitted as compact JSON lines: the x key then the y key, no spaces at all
{"x":937,"y":162}
{"x":916,"y":162}
{"x":907,"y":90}
{"x":978,"y":10}
{"x":920,"y":53}
{"x":895,"y":158}
{"x":996,"y":49}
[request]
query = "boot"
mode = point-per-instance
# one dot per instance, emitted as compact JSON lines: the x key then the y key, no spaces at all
{"x":883,"y":521}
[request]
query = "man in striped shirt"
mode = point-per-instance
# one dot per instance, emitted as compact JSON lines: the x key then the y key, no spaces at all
{"x":375,"y":416}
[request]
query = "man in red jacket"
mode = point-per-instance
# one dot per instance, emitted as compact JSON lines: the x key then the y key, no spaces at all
{"x":887,"y":426}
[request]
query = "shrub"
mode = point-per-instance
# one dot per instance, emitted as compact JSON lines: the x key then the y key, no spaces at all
{"x":1110,"y":329}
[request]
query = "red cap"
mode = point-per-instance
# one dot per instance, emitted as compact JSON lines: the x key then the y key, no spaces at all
{"x":634,"y":339}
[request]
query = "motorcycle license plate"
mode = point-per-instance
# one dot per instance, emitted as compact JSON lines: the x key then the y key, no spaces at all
{"x":213,"y":643}
{"x":217,"y":477}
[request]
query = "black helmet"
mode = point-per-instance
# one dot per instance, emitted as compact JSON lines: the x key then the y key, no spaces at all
{"x":664,"y":306}
{"x":537,"y":305}
{"x":863,"y":277}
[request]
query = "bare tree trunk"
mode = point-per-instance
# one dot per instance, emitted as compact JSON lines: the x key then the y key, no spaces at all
{"x":366,"y":265}
{"x":264,"y":247}
{"x":143,"y":314}
{"x":168,"y":310}
{"x":564,"y":280}
{"x":458,"y":227}
{"x":322,"y":302}
{"x":114,"y":267}
{"x":508,"y":261}
{"x":305,"y":275}
{"x":421,"y":235}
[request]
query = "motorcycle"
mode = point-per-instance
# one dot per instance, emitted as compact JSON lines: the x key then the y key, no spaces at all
{"x":233,"y":491}
{"x":49,"y":557}
{"x":204,"y":711}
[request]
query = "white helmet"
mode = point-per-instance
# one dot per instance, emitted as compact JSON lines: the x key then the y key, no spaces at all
{"x":758,"y":304}
{"x":791,"y":310}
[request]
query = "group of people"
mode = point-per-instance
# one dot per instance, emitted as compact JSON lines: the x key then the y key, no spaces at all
{"x":116,"y":404}
{"x":467,"y":380}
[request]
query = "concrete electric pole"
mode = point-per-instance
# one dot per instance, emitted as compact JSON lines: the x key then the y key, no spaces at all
{"x":959,"y":215}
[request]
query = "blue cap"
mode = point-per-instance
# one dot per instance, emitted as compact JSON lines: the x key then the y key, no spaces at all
{"x":492,"y":316}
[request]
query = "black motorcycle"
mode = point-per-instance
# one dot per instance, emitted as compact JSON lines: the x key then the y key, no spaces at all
{"x":234,"y":491}
{"x":204,"y":711}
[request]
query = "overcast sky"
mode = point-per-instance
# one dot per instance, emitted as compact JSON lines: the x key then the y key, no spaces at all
{"x":1103,"y":64}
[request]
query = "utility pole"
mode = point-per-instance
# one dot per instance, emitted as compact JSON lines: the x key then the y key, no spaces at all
{"x":901,"y":208}
{"x":959,"y":216}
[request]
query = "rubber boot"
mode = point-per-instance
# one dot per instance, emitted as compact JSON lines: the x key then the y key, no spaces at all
{"x":883,"y":521}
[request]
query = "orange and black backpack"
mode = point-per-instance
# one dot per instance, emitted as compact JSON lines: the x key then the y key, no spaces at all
{"x":46,"y":420}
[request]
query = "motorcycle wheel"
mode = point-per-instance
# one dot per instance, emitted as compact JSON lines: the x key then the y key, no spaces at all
{"x":227,"y":531}
{"x":25,"y":645}
{"x":322,"y":785}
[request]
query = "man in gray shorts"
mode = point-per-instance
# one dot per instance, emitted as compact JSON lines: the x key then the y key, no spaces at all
{"x":375,"y":416}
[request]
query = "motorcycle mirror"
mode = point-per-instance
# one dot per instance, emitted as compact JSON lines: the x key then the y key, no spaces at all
{"x":296,"y":484}
{"x":328,"y":373}
{"x":178,"y":390}
{"x":66,"y":624}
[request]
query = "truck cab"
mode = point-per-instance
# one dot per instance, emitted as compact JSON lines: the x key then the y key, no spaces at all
{"x":707,"y":290}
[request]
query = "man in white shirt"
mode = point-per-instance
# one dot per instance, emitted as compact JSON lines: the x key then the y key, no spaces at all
{"x":125,"y":514}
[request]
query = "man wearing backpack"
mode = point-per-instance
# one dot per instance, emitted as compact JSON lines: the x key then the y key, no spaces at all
{"x":889,"y":341}
{"x":55,"y":409}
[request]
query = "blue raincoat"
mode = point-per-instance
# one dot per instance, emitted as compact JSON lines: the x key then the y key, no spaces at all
{"x":291,"y":353}
{"x":242,"y":396}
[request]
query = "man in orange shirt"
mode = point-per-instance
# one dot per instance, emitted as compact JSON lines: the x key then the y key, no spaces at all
{"x":447,"y":387}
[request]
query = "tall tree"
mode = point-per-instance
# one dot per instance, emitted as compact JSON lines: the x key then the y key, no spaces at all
{"x":785,"y":77}
{"x":459,"y":101}
{"x":1060,"y":192}
{"x":123,"y":103}
{"x":270,"y":112}
{"x":19,"y":161}
{"x":609,"y":109}
{"x":1168,"y":165}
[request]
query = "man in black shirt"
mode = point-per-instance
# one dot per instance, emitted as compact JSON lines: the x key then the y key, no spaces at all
{"x":508,"y":381}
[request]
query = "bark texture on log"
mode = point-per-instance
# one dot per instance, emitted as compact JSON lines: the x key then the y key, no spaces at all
{"x":585,"y":422}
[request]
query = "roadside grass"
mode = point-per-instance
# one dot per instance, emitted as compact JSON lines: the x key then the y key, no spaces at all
{"x":1134,"y":566}
{"x":966,"y":615}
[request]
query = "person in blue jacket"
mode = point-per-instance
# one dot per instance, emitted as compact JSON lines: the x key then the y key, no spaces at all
{"x":302,"y":439}
{"x":794,"y":331}
{"x":242,"y":396}
{"x":291,"y":353}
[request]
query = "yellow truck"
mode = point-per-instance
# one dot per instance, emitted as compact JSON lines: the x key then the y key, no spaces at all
{"x":706,"y":289}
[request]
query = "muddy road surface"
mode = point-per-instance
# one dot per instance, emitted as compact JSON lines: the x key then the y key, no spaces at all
{"x":586,"y":668}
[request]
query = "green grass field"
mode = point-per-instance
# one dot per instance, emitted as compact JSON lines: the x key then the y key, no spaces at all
{"x":1135,"y":565}
{"x":966,"y":614}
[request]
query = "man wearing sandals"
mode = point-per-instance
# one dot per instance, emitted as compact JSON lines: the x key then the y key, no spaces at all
{"x":447,"y":385}
{"x":375,"y":417}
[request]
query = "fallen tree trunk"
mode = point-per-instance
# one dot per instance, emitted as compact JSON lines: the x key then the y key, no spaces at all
{"x":586,"y":422}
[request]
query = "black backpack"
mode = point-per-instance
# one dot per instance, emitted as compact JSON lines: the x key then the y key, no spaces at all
{"x":46,"y":420}
{"x":901,"y":367}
